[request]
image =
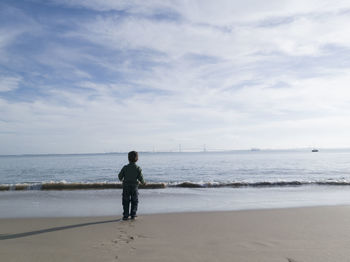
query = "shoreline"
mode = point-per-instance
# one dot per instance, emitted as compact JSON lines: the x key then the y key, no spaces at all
{"x":195,"y":212}
{"x":282,"y":234}
{"x":91,"y":203}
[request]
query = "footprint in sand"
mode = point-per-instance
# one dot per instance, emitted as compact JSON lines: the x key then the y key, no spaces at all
{"x":123,"y":238}
{"x":292,"y":260}
{"x":130,"y":238}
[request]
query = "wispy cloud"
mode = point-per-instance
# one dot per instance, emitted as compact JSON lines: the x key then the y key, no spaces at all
{"x":9,"y":83}
{"x":95,"y":76}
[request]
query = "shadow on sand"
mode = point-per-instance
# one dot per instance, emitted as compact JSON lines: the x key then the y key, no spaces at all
{"x":47,"y":230}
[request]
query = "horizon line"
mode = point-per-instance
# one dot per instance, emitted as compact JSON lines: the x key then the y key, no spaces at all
{"x":178,"y":152}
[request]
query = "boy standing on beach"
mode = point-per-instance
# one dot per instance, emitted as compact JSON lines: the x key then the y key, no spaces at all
{"x":130,"y":175}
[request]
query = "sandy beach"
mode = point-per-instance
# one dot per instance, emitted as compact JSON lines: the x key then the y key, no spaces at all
{"x":295,"y":234}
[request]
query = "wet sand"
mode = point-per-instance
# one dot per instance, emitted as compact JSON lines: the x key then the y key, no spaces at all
{"x":294,"y":235}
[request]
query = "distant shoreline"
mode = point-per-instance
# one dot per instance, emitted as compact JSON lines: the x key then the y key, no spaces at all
{"x":182,"y":152}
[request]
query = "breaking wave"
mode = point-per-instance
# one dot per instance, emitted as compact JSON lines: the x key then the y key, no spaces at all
{"x":111,"y":185}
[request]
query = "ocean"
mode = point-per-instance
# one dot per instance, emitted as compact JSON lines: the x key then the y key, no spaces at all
{"x":87,"y":185}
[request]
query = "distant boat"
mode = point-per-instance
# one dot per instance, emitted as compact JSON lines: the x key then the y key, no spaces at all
{"x":314,"y":150}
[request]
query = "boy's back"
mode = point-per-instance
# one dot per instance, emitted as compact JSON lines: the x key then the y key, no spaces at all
{"x":131,"y":174}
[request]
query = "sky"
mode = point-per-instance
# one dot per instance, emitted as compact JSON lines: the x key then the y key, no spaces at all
{"x":95,"y":76}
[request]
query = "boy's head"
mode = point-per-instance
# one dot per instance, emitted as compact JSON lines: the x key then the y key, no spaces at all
{"x":133,"y":156}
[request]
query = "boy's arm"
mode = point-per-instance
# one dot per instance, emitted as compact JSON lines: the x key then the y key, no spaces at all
{"x":140,"y":177}
{"x":121,"y":174}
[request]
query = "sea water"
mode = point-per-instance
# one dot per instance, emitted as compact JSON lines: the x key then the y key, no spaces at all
{"x":204,"y":181}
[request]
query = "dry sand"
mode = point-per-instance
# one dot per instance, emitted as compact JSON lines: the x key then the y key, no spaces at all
{"x":298,"y":234}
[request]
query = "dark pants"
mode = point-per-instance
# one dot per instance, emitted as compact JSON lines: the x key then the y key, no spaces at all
{"x":130,"y":194}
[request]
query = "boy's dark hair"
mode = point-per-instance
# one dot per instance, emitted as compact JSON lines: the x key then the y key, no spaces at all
{"x":133,"y":156}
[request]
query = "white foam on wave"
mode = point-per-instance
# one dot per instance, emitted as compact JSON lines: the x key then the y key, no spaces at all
{"x":65,"y":185}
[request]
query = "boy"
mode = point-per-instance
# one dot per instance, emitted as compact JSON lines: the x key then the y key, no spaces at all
{"x":130,"y":175}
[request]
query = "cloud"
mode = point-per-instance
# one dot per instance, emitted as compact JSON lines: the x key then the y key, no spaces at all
{"x":96,"y":76}
{"x":9,"y":83}
{"x":223,"y":12}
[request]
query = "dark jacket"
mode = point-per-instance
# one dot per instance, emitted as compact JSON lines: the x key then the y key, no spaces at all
{"x":131,"y":174}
